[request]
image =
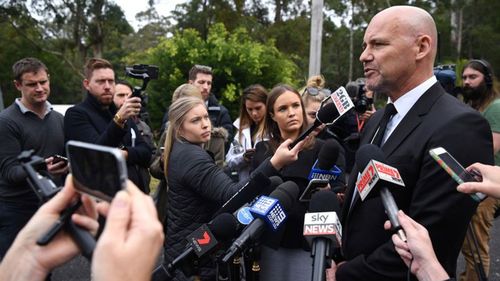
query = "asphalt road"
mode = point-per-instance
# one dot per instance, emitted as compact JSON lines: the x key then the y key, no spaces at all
{"x":79,"y":269}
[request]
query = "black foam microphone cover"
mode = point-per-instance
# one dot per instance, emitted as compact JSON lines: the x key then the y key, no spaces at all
{"x":366,"y":153}
{"x":324,"y":201}
{"x":224,"y":227}
{"x":328,"y":154}
{"x":327,"y":113}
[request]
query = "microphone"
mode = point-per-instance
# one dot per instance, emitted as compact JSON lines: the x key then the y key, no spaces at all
{"x":376,"y":173}
{"x":330,"y":111}
{"x":257,"y":184}
{"x":268,"y":210}
{"x":243,"y":214}
{"x":200,"y":243}
{"x":323,"y":230}
{"x":324,"y":167}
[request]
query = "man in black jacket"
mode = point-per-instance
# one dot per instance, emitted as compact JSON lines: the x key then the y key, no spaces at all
{"x":97,"y":120}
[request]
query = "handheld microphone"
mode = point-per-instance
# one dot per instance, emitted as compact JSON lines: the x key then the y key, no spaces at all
{"x":243,"y":214}
{"x":324,"y":167}
{"x":323,"y":230}
{"x":200,"y":243}
{"x":268,"y":210}
{"x":330,"y":111}
{"x":255,"y":186}
{"x":376,"y":173}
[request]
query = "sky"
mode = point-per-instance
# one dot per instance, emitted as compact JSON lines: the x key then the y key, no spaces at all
{"x":132,"y":7}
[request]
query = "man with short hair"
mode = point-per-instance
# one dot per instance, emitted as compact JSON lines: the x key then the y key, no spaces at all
{"x":29,"y":123}
{"x":400,"y":45}
{"x":97,"y":120}
{"x":479,"y":93}
{"x":123,"y":91}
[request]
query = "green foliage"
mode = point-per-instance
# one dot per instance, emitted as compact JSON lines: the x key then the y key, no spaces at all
{"x":236,"y":59}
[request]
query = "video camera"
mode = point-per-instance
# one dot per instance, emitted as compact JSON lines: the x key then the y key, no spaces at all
{"x":446,"y":75}
{"x":146,"y":73}
{"x":357,"y":93}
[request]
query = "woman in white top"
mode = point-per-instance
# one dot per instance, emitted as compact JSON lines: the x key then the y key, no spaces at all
{"x":250,"y":130}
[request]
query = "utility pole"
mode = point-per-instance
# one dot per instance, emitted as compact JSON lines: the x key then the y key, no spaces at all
{"x":316,"y":36}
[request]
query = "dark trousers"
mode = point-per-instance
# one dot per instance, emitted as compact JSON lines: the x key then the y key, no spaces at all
{"x":13,"y":217}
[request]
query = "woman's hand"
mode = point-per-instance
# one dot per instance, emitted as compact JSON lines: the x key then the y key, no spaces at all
{"x":285,"y":156}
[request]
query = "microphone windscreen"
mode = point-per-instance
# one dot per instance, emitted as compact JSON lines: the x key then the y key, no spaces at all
{"x":328,"y":154}
{"x":224,"y":227}
{"x":366,"y":153}
{"x":275,"y":181}
{"x":352,"y":89}
{"x":324,"y":201}
{"x":327,"y":113}
{"x":286,"y":193}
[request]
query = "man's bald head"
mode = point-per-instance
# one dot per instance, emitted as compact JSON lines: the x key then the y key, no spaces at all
{"x":413,"y":21}
{"x":400,"y":47}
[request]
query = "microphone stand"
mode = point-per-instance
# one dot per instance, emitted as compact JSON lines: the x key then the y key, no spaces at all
{"x":320,"y":252}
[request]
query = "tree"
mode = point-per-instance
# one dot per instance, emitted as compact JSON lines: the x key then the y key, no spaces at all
{"x":236,"y":59}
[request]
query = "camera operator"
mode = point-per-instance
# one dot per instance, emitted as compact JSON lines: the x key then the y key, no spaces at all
{"x":29,"y":123}
{"x":97,"y":120}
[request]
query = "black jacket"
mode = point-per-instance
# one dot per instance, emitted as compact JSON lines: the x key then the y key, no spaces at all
{"x":197,"y":188}
{"x":89,"y":122}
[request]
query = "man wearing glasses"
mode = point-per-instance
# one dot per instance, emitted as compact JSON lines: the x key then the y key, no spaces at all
{"x":29,"y":123}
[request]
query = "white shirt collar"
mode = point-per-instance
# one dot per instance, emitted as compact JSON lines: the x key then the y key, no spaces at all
{"x":404,"y":103}
{"x":24,"y":109}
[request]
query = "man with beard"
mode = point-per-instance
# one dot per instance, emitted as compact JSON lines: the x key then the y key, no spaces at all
{"x":97,"y":120}
{"x":479,"y":93}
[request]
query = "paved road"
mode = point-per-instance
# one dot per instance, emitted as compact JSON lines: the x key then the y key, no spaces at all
{"x":78,"y":269}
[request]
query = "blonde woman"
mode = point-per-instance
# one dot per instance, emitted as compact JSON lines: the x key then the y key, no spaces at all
{"x":197,"y":186}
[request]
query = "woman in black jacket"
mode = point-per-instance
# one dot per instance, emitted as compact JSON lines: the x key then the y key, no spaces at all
{"x":286,"y":119}
{"x":197,"y":187}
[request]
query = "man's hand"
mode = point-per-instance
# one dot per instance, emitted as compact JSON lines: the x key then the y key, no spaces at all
{"x":56,"y":168}
{"x":132,"y":238}
{"x":131,"y":107}
{"x":26,"y":260}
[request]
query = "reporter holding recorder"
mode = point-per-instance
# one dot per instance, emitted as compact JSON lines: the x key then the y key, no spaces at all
{"x":419,"y":245}
{"x":197,"y":186}
{"x":127,"y":249}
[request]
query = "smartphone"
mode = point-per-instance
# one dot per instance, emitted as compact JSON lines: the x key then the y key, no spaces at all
{"x":58,"y":158}
{"x":456,"y":171}
{"x":313,"y":186}
{"x":99,"y":171}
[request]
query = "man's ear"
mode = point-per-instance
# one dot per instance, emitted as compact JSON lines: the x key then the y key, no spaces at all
{"x":18,"y":84}
{"x":86,"y":83}
{"x":191,"y":82}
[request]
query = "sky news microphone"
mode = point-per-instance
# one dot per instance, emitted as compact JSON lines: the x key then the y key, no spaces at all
{"x":201,"y":242}
{"x":324,"y":167}
{"x":267,"y":211}
{"x":258,"y":184}
{"x":379,"y":175}
{"x":322,"y":229}
{"x":336,"y":105}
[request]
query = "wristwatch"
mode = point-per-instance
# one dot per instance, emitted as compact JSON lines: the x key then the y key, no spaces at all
{"x":119,"y":120}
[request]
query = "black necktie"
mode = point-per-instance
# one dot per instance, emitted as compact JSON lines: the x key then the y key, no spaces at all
{"x":389,"y":111}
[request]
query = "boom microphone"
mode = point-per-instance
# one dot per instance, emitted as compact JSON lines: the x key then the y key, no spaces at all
{"x":322,"y":228}
{"x":329,"y":112}
{"x":268,"y":210}
{"x":376,"y":173}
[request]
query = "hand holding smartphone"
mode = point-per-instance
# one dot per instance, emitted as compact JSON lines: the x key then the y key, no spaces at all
{"x":99,"y":171}
{"x":455,"y":170}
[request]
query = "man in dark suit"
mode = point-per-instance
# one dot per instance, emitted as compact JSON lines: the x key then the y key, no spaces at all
{"x":400,"y":46}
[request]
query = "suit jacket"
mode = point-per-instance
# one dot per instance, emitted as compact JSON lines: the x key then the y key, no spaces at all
{"x":429,"y":195}
{"x":89,"y":122}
